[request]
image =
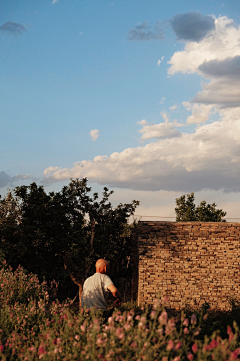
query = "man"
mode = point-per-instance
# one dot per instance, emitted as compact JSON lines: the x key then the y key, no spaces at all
{"x":97,"y":287}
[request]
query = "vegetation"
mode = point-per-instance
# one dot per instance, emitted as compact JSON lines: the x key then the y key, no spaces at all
{"x":186,"y":210}
{"x":34,"y":325}
{"x":73,"y":227}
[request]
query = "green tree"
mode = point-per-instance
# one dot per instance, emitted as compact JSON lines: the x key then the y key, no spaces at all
{"x":42,"y":232}
{"x":187,"y":211}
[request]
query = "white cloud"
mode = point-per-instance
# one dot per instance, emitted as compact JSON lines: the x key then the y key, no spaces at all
{"x":223,"y":89}
{"x":54,"y":1}
{"x":49,"y":170}
{"x":173,"y":107}
{"x":142,"y":122}
{"x":160,"y":131}
{"x":209,"y":158}
{"x":159,"y":61}
{"x":200,"y":112}
{"x":94,"y":134}
{"x":222,"y":44}
{"x":217,"y":59}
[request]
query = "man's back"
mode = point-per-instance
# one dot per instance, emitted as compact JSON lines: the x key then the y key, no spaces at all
{"x":95,"y":292}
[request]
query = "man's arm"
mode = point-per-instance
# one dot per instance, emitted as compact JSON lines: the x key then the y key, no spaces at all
{"x":114,"y":291}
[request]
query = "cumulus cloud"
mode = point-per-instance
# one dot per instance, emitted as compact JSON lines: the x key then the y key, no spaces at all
{"x":200,"y":112}
{"x":192,"y":26}
{"x":54,"y":1}
{"x":145,"y":32}
{"x":94,"y":134}
{"x":221,"y":44}
{"x":12,"y":28}
{"x":217,"y":59}
{"x":223,"y":88}
{"x":228,"y":68}
{"x":161,"y":131}
{"x":209,"y":158}
{"x":206,"y":159}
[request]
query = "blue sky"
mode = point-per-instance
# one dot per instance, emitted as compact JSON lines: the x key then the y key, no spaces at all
{"x":141,"y":96}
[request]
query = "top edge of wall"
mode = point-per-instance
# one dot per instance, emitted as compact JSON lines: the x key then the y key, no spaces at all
{"x":192,"y":222}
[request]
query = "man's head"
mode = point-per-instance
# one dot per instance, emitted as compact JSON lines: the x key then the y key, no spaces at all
{"x":102,"y":266}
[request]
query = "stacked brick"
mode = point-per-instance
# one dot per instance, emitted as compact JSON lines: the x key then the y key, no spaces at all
{"x":190,"y":262}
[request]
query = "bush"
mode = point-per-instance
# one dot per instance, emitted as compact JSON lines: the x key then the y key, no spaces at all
{"x":33,"y":327}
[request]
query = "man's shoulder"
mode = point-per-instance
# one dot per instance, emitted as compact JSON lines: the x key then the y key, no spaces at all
{"x":103,"y":278}
{"x":99,"y":278}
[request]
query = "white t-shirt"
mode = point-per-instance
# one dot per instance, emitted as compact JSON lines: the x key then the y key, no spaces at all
{"x":95,"y":293}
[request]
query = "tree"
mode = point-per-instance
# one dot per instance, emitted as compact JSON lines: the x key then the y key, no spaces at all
{"x":187,"y":211}
{"x":43,"y":231}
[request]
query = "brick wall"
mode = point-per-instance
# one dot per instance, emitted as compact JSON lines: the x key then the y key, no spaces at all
{"x":190,"y":262}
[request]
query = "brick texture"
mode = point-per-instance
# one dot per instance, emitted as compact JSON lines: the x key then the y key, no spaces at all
{"x":190,"y":262}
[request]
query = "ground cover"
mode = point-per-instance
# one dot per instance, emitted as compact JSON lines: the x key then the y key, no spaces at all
{"x":35,"y":325}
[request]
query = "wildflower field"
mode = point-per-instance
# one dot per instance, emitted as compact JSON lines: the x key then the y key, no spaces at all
{"x":35,"y":325}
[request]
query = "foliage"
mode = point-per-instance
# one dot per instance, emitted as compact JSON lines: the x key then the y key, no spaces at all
{"x":37,"y":230}
{"x":38,"y":328}
{"x":187,"y":211}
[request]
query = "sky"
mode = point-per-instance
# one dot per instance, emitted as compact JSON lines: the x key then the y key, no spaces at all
{"x":141,"y":96}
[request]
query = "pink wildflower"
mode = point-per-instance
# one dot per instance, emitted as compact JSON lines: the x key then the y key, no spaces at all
{"x":127,"y":327}
{"x":120,"y":332}
{"x":41,"y":350}
{"x":152,"y":314}
{"x":129,"y":317}
{"x":1,"y":348}
{"x":197,"y":332}
{"x":185,"y":331}
{"x":77,"y":337}
{"x":194,"y":347}
{"x":229,"y":330}
{"x":185,"y":322}
{"x":212,"y":345}
{"x":110,"y":320}
{"x":134,"y":344}
{"x":163,"y":318}
{"x":170,"y":345}
{"x":177,"y":358}
{"x":190,"y":356}
{"x":178,"y":346}
{"x":193,"y":319}
{"x":99,"y":341}
{"x":235,"y":354}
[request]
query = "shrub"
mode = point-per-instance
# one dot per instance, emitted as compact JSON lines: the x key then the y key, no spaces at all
{"x":35,"y":327}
